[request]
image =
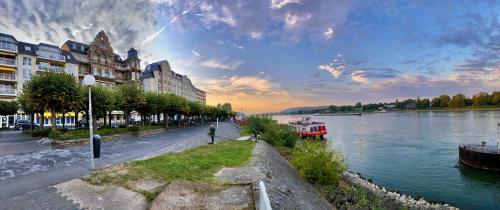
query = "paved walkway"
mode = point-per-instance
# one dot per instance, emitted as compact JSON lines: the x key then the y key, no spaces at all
{"x":24,"y":175}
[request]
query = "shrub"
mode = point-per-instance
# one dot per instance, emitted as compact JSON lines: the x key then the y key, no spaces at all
{"x":133,"y":129}
{"x":40,"y":133}
{"x":258,"y":124}
{"x":281,"y":135}
{"x":318,"y":165}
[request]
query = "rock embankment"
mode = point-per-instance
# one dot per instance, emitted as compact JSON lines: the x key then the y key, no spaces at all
{"x":392,"y":199}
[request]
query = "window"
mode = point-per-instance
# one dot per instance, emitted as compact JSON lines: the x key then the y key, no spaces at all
{"x":102,"y":46}
{"x":73,"y":45}
{"x":27,"y":48}
{"x":27,"y":73}
{"x":25,"y":60}
{"x":82,"y":48}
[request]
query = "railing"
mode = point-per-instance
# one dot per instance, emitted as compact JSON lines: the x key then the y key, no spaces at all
{"x":264,"y":203}
{"x":51,"y":68}
{"x":10,"y":93}
{"x":8,"y":61}
{"x":8,"y":46}
{"x":8,"y":77}
{"x":56,"y":57}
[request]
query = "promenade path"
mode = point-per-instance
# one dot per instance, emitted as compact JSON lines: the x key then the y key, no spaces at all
{"x":26,"y":177}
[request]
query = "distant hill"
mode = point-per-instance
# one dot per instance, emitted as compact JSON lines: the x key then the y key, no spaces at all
{"x":295,"y":110}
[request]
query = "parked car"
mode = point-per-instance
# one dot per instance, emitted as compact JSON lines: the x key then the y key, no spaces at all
{"x":24,"y":124}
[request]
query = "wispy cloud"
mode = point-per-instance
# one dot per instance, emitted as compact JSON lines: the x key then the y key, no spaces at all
{"x":221,"y":64}
{"x":151,"y":37}
{"x":359,"y":77}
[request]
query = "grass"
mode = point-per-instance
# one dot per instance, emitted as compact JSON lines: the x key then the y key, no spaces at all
{"x":198,"y":164}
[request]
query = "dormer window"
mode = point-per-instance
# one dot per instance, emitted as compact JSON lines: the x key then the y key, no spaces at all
{"x":82,"y":48}
{"x":27,"y":48}
{"x":73,"y":45}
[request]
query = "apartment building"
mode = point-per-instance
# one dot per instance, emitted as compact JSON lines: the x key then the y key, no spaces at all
{"x":8,"y":67}
{"x":99,"y":59}
{"x":159,"y":77}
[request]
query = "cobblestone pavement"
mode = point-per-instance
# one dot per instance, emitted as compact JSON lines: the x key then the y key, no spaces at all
{"x":25,"y":174}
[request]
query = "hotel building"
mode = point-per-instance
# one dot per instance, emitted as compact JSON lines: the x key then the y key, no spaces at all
{"x":159,"y":77}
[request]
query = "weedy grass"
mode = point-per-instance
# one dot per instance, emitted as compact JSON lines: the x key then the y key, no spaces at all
{"x":198,"y":164}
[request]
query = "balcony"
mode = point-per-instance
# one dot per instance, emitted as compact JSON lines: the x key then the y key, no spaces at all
{"x":56,"y":69}
{"x":51,"y":56}
{"x":8,"y":93}
{"x":7,"y":61}
{"x":8,"y":77}
{"x":7,"y":46}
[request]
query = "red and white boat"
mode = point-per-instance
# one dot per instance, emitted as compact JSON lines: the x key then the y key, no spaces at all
{"x":308,"y":128}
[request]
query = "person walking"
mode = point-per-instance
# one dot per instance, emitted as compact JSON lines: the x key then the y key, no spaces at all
{"x":211,"y":133}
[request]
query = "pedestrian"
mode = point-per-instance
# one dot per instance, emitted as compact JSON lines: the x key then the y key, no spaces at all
{"x":211,"y":133}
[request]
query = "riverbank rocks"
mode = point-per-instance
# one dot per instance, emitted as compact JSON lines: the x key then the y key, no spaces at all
{"x":392,"y":199}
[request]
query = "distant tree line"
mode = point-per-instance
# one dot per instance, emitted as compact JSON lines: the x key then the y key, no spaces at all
{"x":459,"y":100}
{"x":60,"y":93}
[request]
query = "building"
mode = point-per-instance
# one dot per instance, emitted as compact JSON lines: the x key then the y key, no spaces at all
{"x":99,"y":59}
{"x":8,"y":67}
{"x":159,"y":77}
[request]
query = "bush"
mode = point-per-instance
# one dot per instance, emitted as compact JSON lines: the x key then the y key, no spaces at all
{"x":133,"y":129}
{"x":281,"y":135}
{"x":257,"y":124}
{"x":40,"y":133}
{"x":318,"y":165}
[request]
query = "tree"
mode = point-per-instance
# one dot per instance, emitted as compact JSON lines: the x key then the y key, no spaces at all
{"x":130,"y":97}
{"x":444,"y":101}
{"x":8,"y":107}
{"x":103,"y":101}
{"x":480,"y":99}
{"x":458,"y":100}
{"x":495,"y":98}
{"x":227,"y":106}
{"x":150,"y":106}
{"x":55,"y":92}
{"x":27,"y":107}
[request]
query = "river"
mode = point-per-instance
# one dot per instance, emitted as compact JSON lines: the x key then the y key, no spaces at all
{"x":416,"y":153}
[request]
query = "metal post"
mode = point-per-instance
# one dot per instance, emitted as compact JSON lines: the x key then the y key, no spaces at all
{"x":91,"y":132}
{"x":217,"y":122}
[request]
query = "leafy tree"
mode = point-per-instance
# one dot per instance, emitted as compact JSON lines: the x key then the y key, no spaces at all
{"x":130,"y":97}
{"x":27,"y":107}
{"x":444,"y":100}
{"x":55,"y":92}
{"x":480,"y":99}
{"x":103,"y":101}
{"x":495,"y":98}
{"x":150,"y":105}
{"x":458,"y":100}
{"x":8,"y":107}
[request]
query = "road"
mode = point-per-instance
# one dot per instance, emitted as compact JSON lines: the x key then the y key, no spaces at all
{"x":29,"y":175}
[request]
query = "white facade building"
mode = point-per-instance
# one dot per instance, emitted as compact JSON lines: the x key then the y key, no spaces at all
{"x":159,"y":78}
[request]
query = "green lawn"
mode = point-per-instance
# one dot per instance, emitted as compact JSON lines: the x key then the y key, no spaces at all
{"x":198,"y":164}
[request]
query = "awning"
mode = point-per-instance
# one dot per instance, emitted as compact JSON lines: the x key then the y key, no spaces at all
{"x":7,"y":53}
{"x":3,"y":68}
{"x":68,"y":114}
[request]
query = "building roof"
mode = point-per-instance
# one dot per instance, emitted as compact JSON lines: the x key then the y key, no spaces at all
{"x":26,"y":48}
{"x":69,"y":57}
{"x":48,"y":45}
{"x":77,"y":47}
{"x":118,"y":58}
{"x":132,"y":54}
{"x":8,"y":36}
{"x":156,"y":66}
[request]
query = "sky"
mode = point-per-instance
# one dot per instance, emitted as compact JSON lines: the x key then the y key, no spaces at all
{"x":269,"y":55}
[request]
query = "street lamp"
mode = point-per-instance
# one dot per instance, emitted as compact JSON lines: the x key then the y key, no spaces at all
{"x":89,"y":81}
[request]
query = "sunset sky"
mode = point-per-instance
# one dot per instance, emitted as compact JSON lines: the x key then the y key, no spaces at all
{"x":268,"y":55}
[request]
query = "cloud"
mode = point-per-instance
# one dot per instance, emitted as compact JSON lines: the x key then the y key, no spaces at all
{"x":334,"y":70}
{"x":359,"y":77}
{"x":151,"y":37}
{"x":251,"y":93}
{"x":127,"y":22}
{"x":328,"y":34}
{"x":194,"y":52}
{"x":289,"y":20}
{"x":278,"y":4}
{"x":218,"y":64}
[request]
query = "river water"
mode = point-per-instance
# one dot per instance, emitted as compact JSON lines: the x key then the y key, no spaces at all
{"x":416,"y":153}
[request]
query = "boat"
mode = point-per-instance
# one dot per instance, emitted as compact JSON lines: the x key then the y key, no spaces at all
{"x":306,"y":127}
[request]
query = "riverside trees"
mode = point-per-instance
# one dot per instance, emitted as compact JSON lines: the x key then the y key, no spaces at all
{"x":60,"y":93}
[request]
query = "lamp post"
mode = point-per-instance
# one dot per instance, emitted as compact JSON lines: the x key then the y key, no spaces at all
{"x":89,"y":81}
